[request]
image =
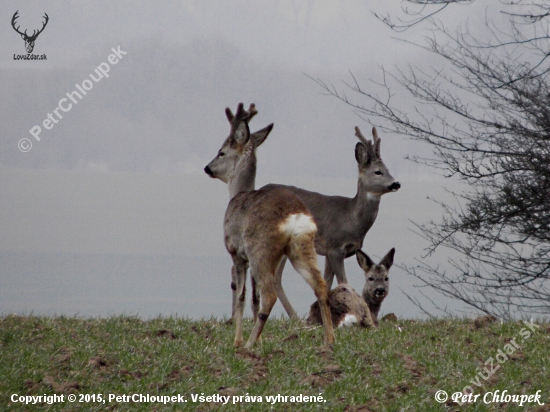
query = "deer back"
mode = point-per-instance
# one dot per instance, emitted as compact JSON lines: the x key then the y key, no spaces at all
{"x":343,"y":301}
{"x":264,"y":217}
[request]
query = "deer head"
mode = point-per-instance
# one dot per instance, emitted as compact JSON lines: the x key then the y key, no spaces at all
{"x":374,"y":176}
{"x":29,"y":40}
{"x":377,"y":284}
{"x":235,"y":162}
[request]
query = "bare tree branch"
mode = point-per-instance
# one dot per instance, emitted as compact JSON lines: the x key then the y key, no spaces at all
{"x":484,"y":108}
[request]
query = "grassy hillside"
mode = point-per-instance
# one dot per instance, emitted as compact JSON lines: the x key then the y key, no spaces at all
{"x":399,"y":366}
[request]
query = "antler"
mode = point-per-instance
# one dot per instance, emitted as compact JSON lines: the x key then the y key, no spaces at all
{"x":241,"y":115}
{"x":43,"y":27}
{"x":34,"y":33}
{"x":361,"y":137}
{"x":252,"y":111}
{"x":376,"y":140}
{"x":15,"y":16}
{"x":368,"y":143}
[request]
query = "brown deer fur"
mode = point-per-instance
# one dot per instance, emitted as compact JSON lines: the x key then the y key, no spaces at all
{"x":261,"y":227}
{"x":344,"y":300}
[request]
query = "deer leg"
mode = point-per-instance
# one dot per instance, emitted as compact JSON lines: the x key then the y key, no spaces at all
{"x":281,"y":293}
{"x":304,"y":260}
{"x":336,"y":261}
{"x":329,"y":274}
{"x":240,"y":277}
{"x":233,"y":292}
{"x":268,"y":298}
{"x":255,"y":302}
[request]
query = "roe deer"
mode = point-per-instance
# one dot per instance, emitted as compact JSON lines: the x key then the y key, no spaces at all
{"x":345,"y":303}
{"x":343,"y":222}
{"x":261,"y":227}
{"x":377,"y":284}
{"x":346,"y":307}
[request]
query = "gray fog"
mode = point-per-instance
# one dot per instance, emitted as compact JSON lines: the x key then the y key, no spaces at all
{"x":110,"y":212}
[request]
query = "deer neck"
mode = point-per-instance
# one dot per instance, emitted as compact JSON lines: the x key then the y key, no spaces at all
{"x":244,"y":179}
{"x":374,"y":306}
{"x":366,"y":205}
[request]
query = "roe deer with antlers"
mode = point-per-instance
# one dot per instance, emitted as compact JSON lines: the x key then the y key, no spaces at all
{"x":261,"y":227}
{"x":343,"y":222}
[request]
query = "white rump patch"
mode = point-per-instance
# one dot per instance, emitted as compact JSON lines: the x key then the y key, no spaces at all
{"x":298,"y":224}
{"x":348,"y":321}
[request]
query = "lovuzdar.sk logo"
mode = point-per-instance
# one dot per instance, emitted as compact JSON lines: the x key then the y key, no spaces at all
{"x":29,"y":39}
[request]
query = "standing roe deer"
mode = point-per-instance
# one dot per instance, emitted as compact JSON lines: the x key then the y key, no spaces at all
{"x":345,"y":303}
{"x":343,"y":222}
{"x":261,"y":227}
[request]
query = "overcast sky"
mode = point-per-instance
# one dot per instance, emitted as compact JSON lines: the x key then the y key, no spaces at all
{"x":110,"y":211}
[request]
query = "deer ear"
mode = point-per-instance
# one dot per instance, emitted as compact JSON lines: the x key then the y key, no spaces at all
{"x":387,"y":261}
{"x":361,"y":154}
{"x":364,"y":261}
{"x":242,"y":133}
{"x":259,"y":136}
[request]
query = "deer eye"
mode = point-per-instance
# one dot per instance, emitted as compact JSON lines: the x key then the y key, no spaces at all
{"x":221,"y":154}
{"x":371,"y":279}
{"x":378,"y":172}
{"x":386,"y":279}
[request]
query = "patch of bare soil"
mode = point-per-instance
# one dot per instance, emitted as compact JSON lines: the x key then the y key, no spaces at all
{"x":62,"y":358}
{"x":484,"y":321}
{"x":416,"y":369}
{"x":166,"y":333}
{"x":368,"y":359}
{"x":60,"y":387}
{"x":362,"y":408}
{"x":204,"y":332}
{"x":326,"y":352}
{"x":125,"y":374}
{"x":258,"y":369}
{"x":99,"y":362}
{"x":323,"y":378}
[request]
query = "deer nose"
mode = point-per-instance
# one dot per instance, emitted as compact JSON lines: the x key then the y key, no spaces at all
{"x":209,"y":171}
{"x":394,"y":186}
{"x":379,"y":292}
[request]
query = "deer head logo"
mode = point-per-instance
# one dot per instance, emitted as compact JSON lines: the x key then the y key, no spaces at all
{"x":29,"y":40}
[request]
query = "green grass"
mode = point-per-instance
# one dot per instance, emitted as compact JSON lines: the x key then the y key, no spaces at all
{"x":398,"y":366}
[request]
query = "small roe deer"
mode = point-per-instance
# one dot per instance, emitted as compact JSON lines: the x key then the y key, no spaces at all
{"x":261,"y":227}
{"x":343,"y":222}
{"x":377,"y":284}
{"x":344,"y":301}
{"x":346,"y":307}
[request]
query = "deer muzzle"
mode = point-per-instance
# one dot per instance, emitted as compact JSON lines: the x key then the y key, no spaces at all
{"x":394,"y":187}
{"x":209,"y":171}
{"x":379,"y":293}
